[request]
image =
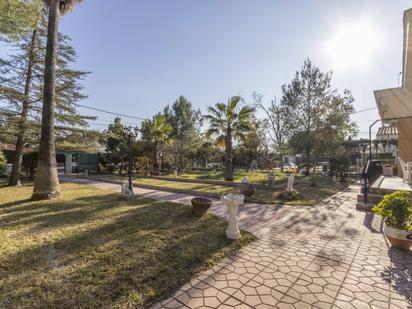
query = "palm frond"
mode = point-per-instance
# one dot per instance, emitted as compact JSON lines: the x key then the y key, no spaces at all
{"x":233,"y":102}
{"x":221,"y":107}
{"x":65,"y":6}
{"x":220,"y":141}
{"x":210,"y":132}
{"x":247,"y":111}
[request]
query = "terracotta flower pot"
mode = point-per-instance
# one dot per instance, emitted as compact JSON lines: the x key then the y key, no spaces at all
{"x":200,"y":205}
{"x":401,"y":239}
{"x":247,"y":190}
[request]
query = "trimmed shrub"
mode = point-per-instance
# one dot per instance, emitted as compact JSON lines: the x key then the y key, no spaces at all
{"x":3,"y":162}
{"x":396,"y":209}
{"x":290,"y":195}
{"x":29,"y":164}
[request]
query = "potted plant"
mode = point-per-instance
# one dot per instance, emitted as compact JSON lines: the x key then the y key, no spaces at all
{"x":396,"y":210}
{"x":200,"y":205}
{"x":246,"y":188}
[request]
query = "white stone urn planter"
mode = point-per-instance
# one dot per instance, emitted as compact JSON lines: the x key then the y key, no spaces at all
{"x":401,"y":239}
{"x":232,"y":202}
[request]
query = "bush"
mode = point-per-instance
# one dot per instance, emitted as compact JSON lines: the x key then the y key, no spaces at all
{"x":290,"y":195}
{"x":29,"y":164}
{"x":396,"y":209}
{"x":247,"y":189}
{"x":339,"y":166}
{"x":3,"y":162}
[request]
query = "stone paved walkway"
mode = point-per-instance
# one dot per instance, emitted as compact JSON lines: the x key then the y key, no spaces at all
{"x":326,"y":256}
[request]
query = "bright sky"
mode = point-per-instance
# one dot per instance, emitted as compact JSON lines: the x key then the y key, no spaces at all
{"x":144,"y":54}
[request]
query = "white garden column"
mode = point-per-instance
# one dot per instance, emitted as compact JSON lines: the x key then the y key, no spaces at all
{"x":232,"y":202}
{"x":291,"y":180}
{"x":69,"y":164}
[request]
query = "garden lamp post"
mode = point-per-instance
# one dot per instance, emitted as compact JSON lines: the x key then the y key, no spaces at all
{"x":130,"y":134}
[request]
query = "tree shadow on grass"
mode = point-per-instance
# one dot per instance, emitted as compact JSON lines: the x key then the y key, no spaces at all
{"x":58,"y":213}
{"x":15,"y":203}
{"x":139,"y":252}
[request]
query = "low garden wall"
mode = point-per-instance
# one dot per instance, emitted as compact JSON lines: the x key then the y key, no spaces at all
{"x":159,"y":188}
{"x":215,"y":182}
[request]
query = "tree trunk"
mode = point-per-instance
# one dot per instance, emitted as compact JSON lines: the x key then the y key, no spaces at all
{"x":312,"y":179}
{"x":181,"y":163}
{"x":228,"y":155}
{"x":46,"y":184}
{"x":307,"y":162}
{"x":155,"y":159}
{"x":281,"y":163}
{"x":18,"y":154}
{"x":179,"y":158}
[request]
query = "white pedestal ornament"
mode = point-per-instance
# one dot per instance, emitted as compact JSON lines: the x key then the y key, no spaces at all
{"x":125,"y":192}
{"x":232,"y":202}
{"x":291,"y":179}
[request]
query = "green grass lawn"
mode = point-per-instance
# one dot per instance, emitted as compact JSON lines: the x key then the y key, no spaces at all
{"x":259,"y":176}
{"x":91,"y":249}
{"x":311,"y":195}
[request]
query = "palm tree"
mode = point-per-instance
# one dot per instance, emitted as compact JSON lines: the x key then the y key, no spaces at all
{"x":156,"y":133}
{"x":46,"y":184}
{"x":228,"y":121}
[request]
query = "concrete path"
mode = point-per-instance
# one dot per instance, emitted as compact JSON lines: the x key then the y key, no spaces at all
{"x":325,"y":256}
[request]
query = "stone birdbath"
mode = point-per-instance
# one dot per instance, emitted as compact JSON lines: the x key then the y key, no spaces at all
{"x":291,"y":180}
{"x":232,"y":202}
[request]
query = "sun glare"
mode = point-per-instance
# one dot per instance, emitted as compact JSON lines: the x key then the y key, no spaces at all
{"x":353,"y":46}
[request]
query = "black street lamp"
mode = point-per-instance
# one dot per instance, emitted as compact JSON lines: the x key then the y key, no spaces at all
{"x":370,"y":139}
{"x":130,"y":134}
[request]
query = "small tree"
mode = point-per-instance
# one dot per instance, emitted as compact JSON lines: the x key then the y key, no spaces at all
{"x":184,"y":121}
{"x":156,"y":133}
{"x":339,"y":166}
{"x":228,"y":121}
{"x":318,"y":116}
{"x":276,"y":122}
{"x":116,"y":145}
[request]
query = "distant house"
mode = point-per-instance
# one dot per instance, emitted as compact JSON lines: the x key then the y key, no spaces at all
{"x":67,"y":161}
{"x":76,"y":162}
{"x":395,"y":104}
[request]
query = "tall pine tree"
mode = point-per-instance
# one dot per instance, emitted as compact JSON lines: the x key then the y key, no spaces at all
{"x":21,"y":93}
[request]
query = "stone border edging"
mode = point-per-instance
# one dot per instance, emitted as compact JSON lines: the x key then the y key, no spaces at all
{"x":215,"y":182}
{"x":158,"y":188}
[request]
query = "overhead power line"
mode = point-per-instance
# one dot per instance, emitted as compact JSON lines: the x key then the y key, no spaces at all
{"x":364,"y":110}
{"x":109,"y":112}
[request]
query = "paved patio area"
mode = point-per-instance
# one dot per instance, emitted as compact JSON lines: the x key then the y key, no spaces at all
{"x":325,"y":256}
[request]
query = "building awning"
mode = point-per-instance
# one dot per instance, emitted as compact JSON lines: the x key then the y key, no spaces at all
{"x":393,"y":103}
{"x":387,"y":133}
{"x":396,"y":103}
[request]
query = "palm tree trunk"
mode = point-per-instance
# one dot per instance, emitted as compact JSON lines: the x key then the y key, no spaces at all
{"x":155,"y":158}
{"x":18,"y":154}
{"x":228,"y":155}
{"x":46,"y":184}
